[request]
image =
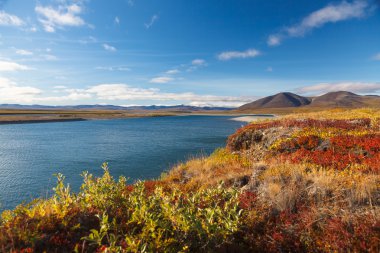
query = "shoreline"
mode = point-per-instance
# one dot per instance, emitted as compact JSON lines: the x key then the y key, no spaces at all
{"x":28,"y":117}
{"x":25,"y":117}
{"x":253,"y":118}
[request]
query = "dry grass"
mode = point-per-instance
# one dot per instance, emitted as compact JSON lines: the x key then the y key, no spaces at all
{"x":204,"y":172}
{"x":339,"y":113}
{"x":282,"y":185}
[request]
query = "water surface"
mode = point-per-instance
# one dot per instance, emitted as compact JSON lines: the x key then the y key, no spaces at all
{"x":139,"y":148}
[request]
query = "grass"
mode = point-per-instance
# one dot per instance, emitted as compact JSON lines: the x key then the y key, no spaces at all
{"x":301,"y":183}
{"x":205,"y":172}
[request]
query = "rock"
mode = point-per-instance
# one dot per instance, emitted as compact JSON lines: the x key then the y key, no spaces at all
{"x":257,"y":138}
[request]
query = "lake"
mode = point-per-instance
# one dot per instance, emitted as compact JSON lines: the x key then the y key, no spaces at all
{"x":138,"y":148}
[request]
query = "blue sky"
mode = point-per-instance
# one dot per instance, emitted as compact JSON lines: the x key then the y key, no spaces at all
{"x":214,"y":52}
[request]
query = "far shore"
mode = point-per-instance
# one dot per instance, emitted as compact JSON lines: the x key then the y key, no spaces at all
{"x":30,"y":121}
{"x":49,"y":116}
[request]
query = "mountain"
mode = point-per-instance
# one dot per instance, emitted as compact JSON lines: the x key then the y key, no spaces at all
{"x":329,"y":100}
{"x":68,"y":107}
{"x":280,"y":100}
{"x":114,"y":107}
{"x":178,"y":108}
{"x":344,"y":99}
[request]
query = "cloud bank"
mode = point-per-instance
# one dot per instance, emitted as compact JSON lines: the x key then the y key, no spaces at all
{"x":10,"y":92}
{"x":356,"y":87}
{"x":11,"y":66}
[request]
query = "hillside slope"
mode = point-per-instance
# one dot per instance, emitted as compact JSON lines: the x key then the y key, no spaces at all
{"x":344,"y":99}
{"x":284,"y":99}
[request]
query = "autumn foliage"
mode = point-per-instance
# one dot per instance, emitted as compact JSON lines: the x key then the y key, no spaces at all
{"x":300,"y":183}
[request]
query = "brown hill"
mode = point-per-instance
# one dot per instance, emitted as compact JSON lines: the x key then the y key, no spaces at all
{"x":329,"y":100}
{"x":339,"y":99}
{"x":280,"y":100}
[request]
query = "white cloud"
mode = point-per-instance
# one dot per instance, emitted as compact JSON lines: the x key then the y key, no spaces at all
{"x":33,"y":29}
{"x":131,"y":3}
{"x":117,"y":20}
{"x":198,"y":62}
{"x":377,"y":57}
{"x":153,"y":20}
{"x":60,"y":87}
{"x":332,"y":13}
{"x":109,"y":48}
{"x":274,"y":40}
{"x":219,"y":103}
{"x":64,"y":15}
{"x":24,"y":52}
{"x":228,"y":55}
{"x":161,"y":79}
{"x":60,"y":77}
{"x":88,"y":40}
{"x":172,"y":71}
{"x":11,"y":66}
{"x":7,"y":19}
{"x":49,"y":57}
{"x":126,"y":92}
{"x":113,"y":68}
{"x":269,"y":69}
{"x":358,"y":87}
{"x":195,"y":64}
{"x":12,"y":93}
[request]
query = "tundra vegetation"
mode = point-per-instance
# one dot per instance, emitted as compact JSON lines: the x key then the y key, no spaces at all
{"x":301,"y":183}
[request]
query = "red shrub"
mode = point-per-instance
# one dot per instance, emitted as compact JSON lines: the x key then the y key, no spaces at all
{"x":368,"y":143}
{"x":306,"y":142}
{"x":247,"y":200}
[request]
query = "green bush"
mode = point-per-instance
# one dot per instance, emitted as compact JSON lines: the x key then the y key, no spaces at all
{"x":111,"y":216}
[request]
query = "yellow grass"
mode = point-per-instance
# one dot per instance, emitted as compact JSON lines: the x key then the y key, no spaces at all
{"x":203,"y":172}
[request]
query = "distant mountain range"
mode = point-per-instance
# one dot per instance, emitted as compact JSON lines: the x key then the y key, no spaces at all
{"x":329,"y":100}
{"x":114,"y":107}
{"x":280,"y":100}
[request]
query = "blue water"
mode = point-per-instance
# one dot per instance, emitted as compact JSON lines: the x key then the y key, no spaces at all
{"x":140,"y":148}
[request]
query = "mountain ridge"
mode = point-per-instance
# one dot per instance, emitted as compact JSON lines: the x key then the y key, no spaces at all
{"x":114,"y":107}
{"x":344,"y":99}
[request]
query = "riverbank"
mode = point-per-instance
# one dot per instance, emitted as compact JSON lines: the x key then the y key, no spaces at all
{"x":253,"y":118}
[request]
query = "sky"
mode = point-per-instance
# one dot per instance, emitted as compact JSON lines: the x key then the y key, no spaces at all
{"x":169,"y":52}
